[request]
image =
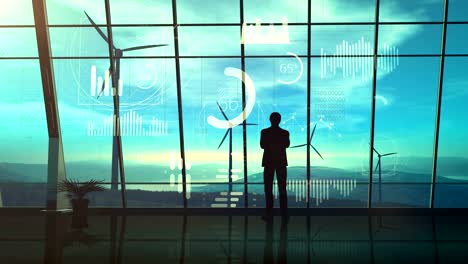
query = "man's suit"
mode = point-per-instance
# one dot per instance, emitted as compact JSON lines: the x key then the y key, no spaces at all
{"x":274,"y":141}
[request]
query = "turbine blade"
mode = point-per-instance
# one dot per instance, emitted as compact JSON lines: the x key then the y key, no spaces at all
{"x":250,"y":124}
{"x":222,"y":112}
{"x":224,"y":138}
{"x":298,"y":146}
{"x":312,"y":134}
{"x":98,"y":29}
{"x":316,"y":151}
{"x":376,"y":151}
{"x":377,"y":166}
{"x":388,"y":154}
{"x":104,"y":84}
{"x":144,"y":47}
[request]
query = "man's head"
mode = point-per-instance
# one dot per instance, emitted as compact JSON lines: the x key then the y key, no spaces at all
{"x":275,"y":119}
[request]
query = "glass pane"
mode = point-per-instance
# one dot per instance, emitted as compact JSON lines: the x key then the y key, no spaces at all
{"x":281,"y":86}
{"x":21,"y":42}
{"x":209,"y":41}
{"x":129,"y":37}
{"x":87,"y":141}
{"x":456,"y":44}
{"x":106,"y":198}
{"x":72,"y":12}
{"x":340,"y":110}
{"x":450,"y":195}
{"x":215,"y":196}
{"x":323,"y":193}
{"x":86,"y":41}
{"x":154,"y":195}
{"x":297,"y":44}
{"x":146,"y":12}
{"x":78,"y":42}
{"x":457,"y":10}
{"x":342,"y":40}
{"x":16,"y":13}
{"x":339,"y":193}
{"x":395,"y":195}
{"x":452,"y":157}
{"x":404,"y":127}
{"x":208,"y":11}
{"x":24,"y":144}
{"x":405,"y":11}
{"x":296,"y":189}
{"x":206,"y":82}
{"x":409,"y":39}
{"x":21,"y":193}
{"x":343,"y":11}
{"x":149,"y":120}
{"x":273,"y":11}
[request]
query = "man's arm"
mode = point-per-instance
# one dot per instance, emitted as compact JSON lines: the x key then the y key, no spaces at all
{"x":286,"y":143}
{"x":262,"y":140}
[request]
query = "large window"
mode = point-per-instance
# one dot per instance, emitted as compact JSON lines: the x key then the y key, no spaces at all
{"x":184,"y":79}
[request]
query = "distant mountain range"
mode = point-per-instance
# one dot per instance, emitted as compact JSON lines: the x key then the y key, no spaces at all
{"x":419,"y":171}
{"x":393,"y":193}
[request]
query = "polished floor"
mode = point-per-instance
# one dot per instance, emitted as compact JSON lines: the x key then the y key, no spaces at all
{"x":234,"y":239}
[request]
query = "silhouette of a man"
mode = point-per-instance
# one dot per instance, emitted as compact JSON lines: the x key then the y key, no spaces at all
{"x":274,"y":141}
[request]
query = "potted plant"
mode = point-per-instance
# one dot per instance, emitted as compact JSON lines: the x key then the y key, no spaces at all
{"x":77,"y":192}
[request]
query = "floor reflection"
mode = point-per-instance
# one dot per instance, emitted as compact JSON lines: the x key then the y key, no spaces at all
{"x":268,"y":255}
{"x":234,"y":239}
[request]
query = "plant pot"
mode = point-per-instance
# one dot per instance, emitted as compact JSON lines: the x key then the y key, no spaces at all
{"x":80,"y":206}
{"x":80,"y":213}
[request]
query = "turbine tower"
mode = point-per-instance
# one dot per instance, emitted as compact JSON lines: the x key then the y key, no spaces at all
{"x":229,"y":131}
{"x":379,"y":166}
{"x":118,"y":53}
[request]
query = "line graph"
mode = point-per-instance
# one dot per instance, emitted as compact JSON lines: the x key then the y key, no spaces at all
{"x":319,"y":189}
{"x":355,"y":60}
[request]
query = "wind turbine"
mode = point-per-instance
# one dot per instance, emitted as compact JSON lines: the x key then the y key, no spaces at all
{"x":310,"y":143}
{"x":118,"y":53}
{"x":229,"y":131}
{"x":379,"y":166}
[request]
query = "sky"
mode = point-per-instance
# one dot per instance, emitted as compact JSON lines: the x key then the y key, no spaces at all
{"x":340,"y":110}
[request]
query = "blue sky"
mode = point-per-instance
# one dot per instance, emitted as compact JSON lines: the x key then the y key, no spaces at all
{"x":405,"y":113}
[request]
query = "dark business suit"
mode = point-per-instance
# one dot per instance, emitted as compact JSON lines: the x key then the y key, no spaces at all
{"x":274,"y":141}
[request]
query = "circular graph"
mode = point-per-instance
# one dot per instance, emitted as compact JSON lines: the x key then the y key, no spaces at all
{"x":286,"y":68}
{"x":147,"y":78}
{"x":250,"y":89}
{"x":382,"y":99}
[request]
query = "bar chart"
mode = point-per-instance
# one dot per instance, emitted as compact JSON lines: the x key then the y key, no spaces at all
{"x":131,"y":124}
{"x":97,"y":82}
